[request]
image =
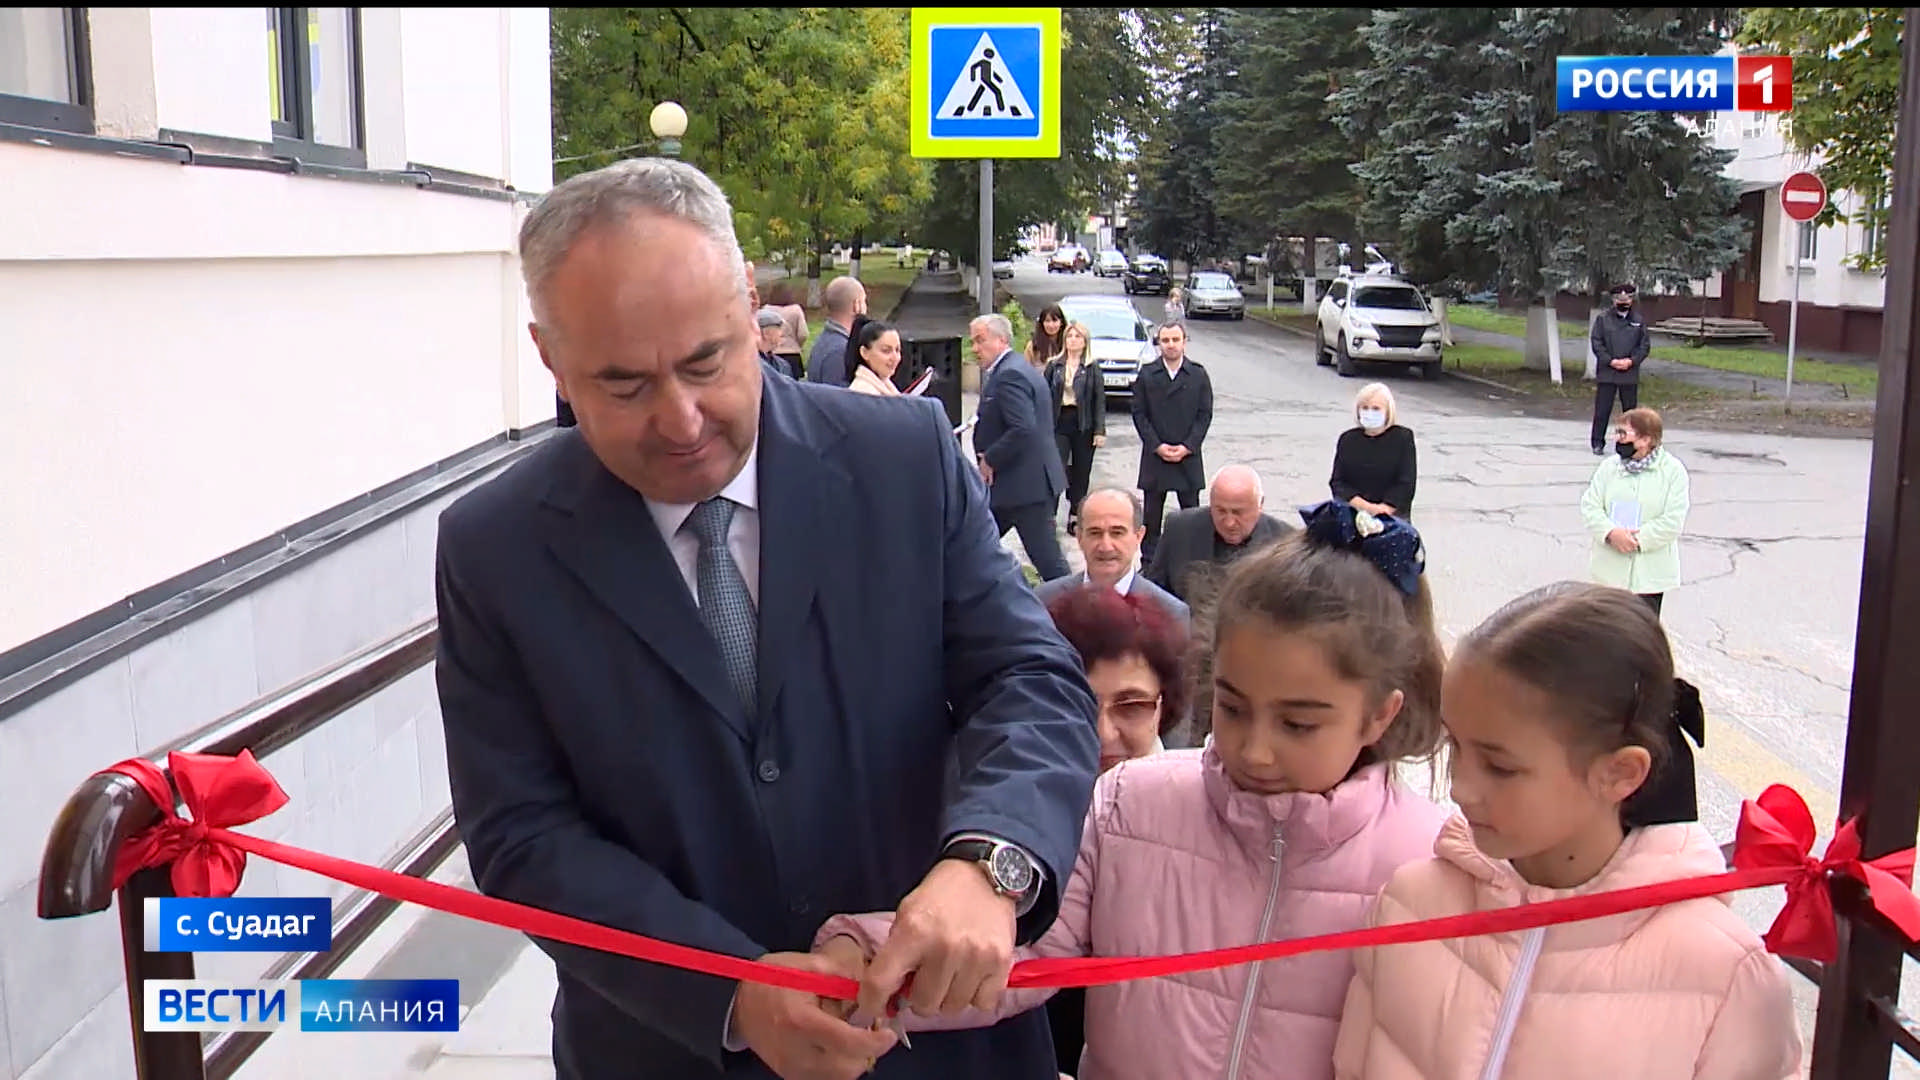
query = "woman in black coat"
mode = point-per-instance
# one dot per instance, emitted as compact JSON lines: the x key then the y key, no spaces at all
{"x":1374,"y":465}
{"x":1080,"y":411}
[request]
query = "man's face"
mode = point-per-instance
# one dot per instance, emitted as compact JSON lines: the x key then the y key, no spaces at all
{"x":1623,"y":301}
{"x":1173,"y":343}
{"x":1108,"y":539}
{"x":987,"y":345}
{"x":1236,"y":509}
{"x":644,"y":330}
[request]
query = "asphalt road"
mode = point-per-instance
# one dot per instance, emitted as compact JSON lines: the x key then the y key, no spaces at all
{"x":1763,"y":622}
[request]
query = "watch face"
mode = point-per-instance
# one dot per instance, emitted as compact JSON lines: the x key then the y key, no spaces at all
{"x":1012,"y":870}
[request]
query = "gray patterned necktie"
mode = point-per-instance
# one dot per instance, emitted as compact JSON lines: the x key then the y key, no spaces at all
{"x":725,"y":605}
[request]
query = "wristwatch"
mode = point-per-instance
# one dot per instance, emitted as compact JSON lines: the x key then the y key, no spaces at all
{"x":1009,"y":869}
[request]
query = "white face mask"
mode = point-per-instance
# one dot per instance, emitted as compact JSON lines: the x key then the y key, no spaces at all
{"x":1373,"y":419}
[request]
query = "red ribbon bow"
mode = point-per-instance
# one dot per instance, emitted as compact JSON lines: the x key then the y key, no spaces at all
{"x":218,"y":792}
{"x":1776,"y":831}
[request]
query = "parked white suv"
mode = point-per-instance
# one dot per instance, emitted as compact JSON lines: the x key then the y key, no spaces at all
{"x":1377,"y":318}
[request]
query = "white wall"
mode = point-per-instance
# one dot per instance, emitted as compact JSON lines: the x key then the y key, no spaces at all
{"x":210,"y":71}
{"x":196,"y":358}
{"x":1764,"y":158}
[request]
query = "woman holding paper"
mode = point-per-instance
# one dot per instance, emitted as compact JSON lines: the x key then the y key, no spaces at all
{"x":873,"y":355}
{"x":1636,"y":509}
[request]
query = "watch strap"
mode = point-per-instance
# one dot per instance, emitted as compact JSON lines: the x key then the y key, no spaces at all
{"x":979,"y":847}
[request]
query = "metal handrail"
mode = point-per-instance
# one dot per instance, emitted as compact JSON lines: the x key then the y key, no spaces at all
{"x":105,"y":811}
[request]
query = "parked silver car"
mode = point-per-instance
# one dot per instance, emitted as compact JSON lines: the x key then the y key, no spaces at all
{"x":1210,"y":292}
{"x":1378,"y":318}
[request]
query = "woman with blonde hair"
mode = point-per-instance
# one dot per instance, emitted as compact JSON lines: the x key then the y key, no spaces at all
{"x":1375,"y":465}
{"x":1079,"y":409}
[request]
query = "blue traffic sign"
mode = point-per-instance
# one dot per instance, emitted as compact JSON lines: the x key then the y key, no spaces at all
{"x":985,"y":82}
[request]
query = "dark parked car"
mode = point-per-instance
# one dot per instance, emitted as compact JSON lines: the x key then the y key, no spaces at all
{"x":1147,"y":276}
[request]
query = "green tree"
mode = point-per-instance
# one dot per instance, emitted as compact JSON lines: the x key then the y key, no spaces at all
{"x":1280,"y":163}
{"x":1467,"y":151}
{"x":1846,"y":96}
{"x":1179,"y":198}
{"x":788,"y":110}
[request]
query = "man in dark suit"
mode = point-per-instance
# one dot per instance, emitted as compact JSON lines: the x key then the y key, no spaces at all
{"x":1233,"y":523}
{"x":1014,"y":442}
{"x":1620,"y":346}
{"x":738,"y":654}
{"x":1109,"y":536}
{"x":1172,"y":409}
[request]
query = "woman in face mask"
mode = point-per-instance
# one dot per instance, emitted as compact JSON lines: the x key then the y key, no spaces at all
{"x":1635,"y":510}
{"x":1374,"y":465}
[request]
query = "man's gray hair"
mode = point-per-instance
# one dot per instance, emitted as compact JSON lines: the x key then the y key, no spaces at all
{"x":1132,"y":498}
{"x":996,"y":324}
{"x":661,"y":186}
{"x":1247,"y":471}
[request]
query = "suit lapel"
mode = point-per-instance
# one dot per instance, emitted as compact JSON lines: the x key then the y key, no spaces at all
{"x":803,"y":493}
{"x":605,"y":536}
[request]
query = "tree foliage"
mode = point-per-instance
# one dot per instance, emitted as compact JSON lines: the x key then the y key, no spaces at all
{"x":1481,"y":177}
{"x":1846,"y":98}
{"x":1178,"y":202}
{"x":1281,"y":165}
{"x":796,"y":112}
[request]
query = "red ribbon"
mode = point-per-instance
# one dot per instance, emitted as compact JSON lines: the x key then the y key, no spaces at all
{"x":1772,"y":846}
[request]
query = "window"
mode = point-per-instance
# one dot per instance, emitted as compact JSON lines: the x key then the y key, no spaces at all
{"x":43,"y":69}
{"x":1389,"y":298}
{"x":1872,"y":231}
{"x":1809,"y":243}
{"x":313,"y":76}
{"x":1753,"y":125}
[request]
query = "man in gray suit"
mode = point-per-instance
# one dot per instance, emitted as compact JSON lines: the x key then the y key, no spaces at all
{"x":1112,"y":524}
{"x":1197,"y":545}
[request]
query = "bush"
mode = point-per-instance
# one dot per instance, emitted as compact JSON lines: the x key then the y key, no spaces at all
{"x":1022,"y":326}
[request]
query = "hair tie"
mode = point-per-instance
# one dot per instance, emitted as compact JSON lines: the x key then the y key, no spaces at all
{"x":1688,"y":714}
{"x":1390,"y":544}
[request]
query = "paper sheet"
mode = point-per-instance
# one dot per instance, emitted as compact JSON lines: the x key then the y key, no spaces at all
{"x":1625,"y":513}
{"x":919,"y":386}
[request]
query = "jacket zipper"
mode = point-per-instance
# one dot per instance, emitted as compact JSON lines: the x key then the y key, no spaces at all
{"x":1234,"y":1059}
{"x":1511,"y":1002}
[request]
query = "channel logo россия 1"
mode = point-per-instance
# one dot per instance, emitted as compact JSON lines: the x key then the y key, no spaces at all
{"x":1674,"y":83}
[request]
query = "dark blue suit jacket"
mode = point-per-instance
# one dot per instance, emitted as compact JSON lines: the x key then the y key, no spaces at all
{"x":1015,"y":435}
{"x":601,"y":766}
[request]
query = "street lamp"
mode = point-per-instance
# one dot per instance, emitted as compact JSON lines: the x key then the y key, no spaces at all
{"x":668,"y":121}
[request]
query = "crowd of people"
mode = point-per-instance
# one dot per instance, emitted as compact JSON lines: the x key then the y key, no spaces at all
{"x":742,"y":664}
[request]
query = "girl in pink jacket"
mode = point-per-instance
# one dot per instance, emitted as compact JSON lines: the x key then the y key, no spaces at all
{"x":1320,"y":671}
{"x":1560,"y":708}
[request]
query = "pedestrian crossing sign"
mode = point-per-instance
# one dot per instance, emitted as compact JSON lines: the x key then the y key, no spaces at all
{"x":986,"y":83}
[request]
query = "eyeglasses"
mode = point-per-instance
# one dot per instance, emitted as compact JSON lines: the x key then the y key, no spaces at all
{"x":1131,"y":711}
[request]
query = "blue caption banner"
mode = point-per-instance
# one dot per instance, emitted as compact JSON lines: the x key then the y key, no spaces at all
{"x":380,"y":1005}
{"x":239,"y":924}
{"x":1645,"y":83}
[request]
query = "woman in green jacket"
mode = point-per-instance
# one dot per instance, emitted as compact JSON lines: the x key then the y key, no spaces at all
{"x":1636,"y":509}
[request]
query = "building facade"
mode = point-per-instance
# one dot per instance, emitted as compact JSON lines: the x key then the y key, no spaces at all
{"x":263,"y":321}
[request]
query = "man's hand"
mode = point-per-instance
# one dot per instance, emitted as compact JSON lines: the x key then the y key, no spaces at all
{"x":1166,"y":452}
{"x":954,"y":936}
{"x":1623,"y":541}
{"x":795,"y":1036}
{"x":1099,"y":441}
{"x":986,"y":470}
{"x":847,"y":957}
{"x":1622,"y":363}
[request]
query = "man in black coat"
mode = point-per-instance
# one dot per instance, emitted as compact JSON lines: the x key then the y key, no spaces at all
{"x":1620,"y":344}
{"x":739,"y":653}
{"x":1172,"y":409}
{"x":1197,"y":542}
{"x":1013,"y":440}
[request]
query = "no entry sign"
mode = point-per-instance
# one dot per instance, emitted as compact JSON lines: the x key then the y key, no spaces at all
{"x":1803,"y":196}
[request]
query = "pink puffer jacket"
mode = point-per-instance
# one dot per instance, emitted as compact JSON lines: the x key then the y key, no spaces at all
{"x":1175,"y":859}
{"x":1684,"y":991}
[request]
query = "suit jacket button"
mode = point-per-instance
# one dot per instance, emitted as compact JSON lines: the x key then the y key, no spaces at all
{"x":800,"y":906}
{"x":769,"y":772}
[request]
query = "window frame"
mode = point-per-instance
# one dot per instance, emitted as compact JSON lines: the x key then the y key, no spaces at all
{"x":1808,"y":241}
{"x":294,"y":138}
{"x":75,"y":117}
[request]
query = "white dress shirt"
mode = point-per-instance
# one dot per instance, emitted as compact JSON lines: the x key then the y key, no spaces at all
{"x":743,"y":532}
{"x":1125,"y":585}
